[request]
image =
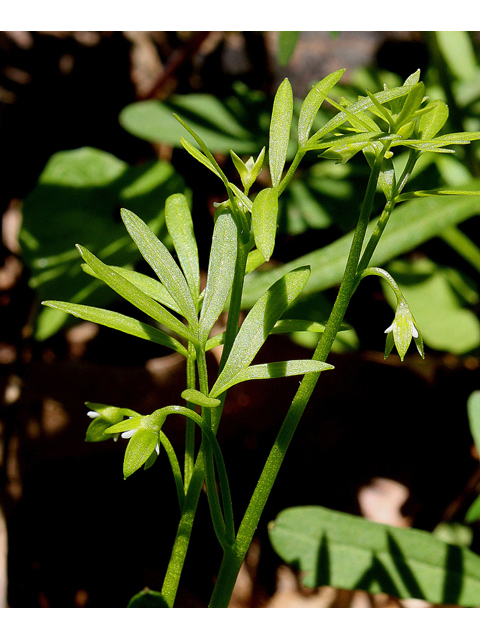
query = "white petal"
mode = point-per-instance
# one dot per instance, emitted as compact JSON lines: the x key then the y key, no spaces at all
{"x":128,"y":434}
{"x":414,"y":331}
{"x":93,"y":414}
{"x":390,"y":328}
{"x":157,"y":449}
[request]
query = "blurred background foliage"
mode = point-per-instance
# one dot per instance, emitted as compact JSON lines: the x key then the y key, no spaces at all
{"x":79,"y":191}
{"x":86,"y":128}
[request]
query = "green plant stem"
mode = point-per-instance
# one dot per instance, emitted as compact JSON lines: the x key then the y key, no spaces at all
{"x":233,"y":559}
{"x":291,"y":170}
{"x":190,"y":427}
{"x":182,"y":538}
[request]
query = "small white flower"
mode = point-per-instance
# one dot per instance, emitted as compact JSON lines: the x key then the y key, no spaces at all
{"x":402,"y":330}
{"x":128,"y":434}
{"x":93,"y":414}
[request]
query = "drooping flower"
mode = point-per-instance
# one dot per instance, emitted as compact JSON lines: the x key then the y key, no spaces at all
{"x":105,"y":416}
{"x":402,"y":330}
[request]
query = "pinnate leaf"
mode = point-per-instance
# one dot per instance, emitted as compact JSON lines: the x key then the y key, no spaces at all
{"x":134,"y":295}
{"x":161,"y":261}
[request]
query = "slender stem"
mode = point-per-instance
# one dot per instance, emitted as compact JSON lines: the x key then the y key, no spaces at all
{"x":182,"y":539}
{"x":232,"y":561}
{"x":190,"y":427}
{"x":177,"y":474}
{"x":291,"y":170}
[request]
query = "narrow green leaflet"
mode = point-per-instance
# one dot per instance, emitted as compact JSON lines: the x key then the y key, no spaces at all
{"x":264,"y":221}
{"x":432,"y":122}
{"x":198,"y":155}
{"x":134,"y":295}
{"x":275,"y":370}
{"x":289,"y":324}
{"x":221,"y":269}
{"x":349,"y":552}
{"x":150,"y":286}
{"x":312,"y":104}
{"x":357,"y":107}
{"x":161,"y":261}
{"x":259,"y":322}
{"x":443,"y":191}
{"x":199,"y":398}
{"x":280,"y":130}
{"x":140,"y":447}
{"x":180,"y":227}
{"x":118,"y":321}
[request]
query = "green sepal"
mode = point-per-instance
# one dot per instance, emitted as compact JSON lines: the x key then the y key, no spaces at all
{"x":199,"y":398}
{"x":126,"y":425}
{"x":140,"y":447}
{"x":264,"y":221}
{"x":107,"y":417}
{"x":280,"y":124}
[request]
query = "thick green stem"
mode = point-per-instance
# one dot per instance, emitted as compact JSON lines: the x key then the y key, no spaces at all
{"x":190,"y":427}
{"x":232,"y":561}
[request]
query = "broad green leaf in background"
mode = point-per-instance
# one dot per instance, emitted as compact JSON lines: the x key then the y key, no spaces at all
{"x":221,"y":270}
{"x":445,"y":323}
{"x":287,"y":41}
{"x":259,"y":322}
{"x":118,"y":321}
{"x":412,"y":224}
{"x":280,"y":125}
{"x":349,"y":552}
{"x":264,"y":221}
{"x":274,"y":370}
{"x":473,"y":410}
{"x":180,"y":227}
{"x":208,"y":115}
{"x":162,"y":262}
{"x":77,"y":200}
{"x":459,"y":54}
{"x":312,"y":104}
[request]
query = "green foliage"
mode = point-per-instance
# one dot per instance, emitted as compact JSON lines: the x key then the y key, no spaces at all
{"x":349,"y":552}
{"x":79,"y":192}
{"x":393,"y":129}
